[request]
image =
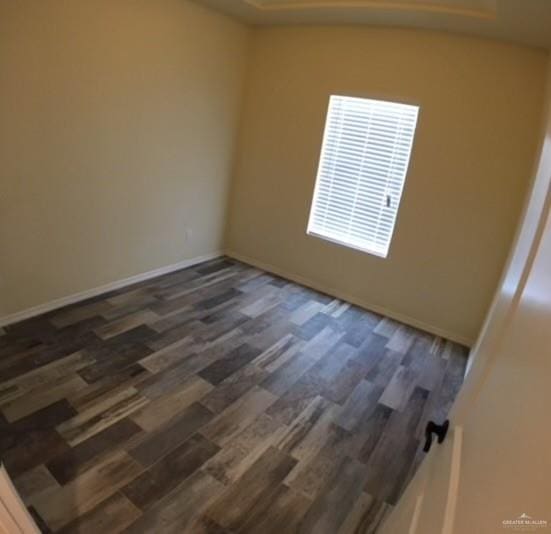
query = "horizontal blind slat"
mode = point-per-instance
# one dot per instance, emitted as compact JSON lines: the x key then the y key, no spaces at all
{"x":365,"y":156}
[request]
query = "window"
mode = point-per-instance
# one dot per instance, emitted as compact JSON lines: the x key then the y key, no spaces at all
{"x":362,"y":169}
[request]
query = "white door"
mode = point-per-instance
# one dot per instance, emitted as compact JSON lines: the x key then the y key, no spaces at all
{"x":492,"y":474}
{"x":14,"y":517}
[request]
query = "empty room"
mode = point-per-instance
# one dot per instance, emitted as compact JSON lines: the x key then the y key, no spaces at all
{"x":275,"y":266}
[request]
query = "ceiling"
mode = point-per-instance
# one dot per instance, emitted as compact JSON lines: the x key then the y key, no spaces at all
{"x":521,"y":21}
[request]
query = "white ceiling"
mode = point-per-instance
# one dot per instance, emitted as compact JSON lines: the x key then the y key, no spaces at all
{"x":522,"y":21}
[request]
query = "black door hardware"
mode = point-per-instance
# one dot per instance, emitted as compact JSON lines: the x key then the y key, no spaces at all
{"x":439,"y":430}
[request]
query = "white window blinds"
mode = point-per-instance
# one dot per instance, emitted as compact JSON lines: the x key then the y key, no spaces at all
{"x":362,"y":169}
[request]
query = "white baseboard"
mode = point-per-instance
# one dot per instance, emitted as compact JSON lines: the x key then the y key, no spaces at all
{"x":94,"y":292}
{"x":352,"y":299}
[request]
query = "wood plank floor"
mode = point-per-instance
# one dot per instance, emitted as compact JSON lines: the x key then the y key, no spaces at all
{"x":217,"y":399}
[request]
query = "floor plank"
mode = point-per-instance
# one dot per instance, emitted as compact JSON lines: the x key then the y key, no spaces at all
{"x":218,"y":399}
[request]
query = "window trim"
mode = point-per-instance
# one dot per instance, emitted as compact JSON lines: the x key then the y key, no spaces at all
{"x":340,"y":242}
{"x":345,"y":244}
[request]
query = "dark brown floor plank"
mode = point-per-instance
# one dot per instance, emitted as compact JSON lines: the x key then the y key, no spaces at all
{"x":284,"y":514}
{"x":253,"y":492}
{"x":112,"y":515}
{"x":72,"y":462}
{"x":178,"y":511}
{"x":217,"y":371}
{"x":161,"y":441}
{"x":168,"y":472}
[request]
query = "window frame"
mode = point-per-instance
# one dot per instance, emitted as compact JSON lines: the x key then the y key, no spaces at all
{"x":341,"y":242}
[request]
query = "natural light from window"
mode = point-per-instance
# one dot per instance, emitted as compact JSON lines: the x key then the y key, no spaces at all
{"x":363,"y":165}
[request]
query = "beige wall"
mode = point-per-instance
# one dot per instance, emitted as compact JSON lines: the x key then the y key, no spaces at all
{"x":474,"y":149}
{"x":500,"y":470}
{"x":117,"y":130}
{"x":117,"y":123}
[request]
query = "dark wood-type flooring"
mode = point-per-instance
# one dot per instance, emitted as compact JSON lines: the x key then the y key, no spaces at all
{"x":217,"y":399}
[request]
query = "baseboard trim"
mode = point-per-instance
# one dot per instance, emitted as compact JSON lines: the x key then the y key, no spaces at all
{"x":350,"y":298}
{"x":94,"y":292}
